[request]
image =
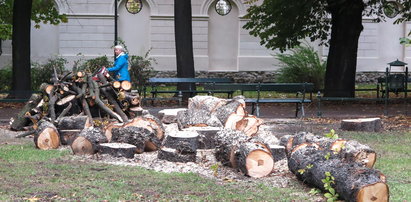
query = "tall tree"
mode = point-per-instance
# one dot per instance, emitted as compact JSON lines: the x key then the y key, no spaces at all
{"x":15,"y":24}
{"x":21,"y":79}
{"x":184,"y":41}
{"x":283,"y":24}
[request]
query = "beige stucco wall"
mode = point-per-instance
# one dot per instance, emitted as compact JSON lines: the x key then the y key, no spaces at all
{"x":220,"y":43}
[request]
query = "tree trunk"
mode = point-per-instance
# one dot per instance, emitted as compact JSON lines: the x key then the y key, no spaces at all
{"x":21,"y":76}
{"x":342,"y":56}
{"x":353,"y":182}
{"x":117,"y":149}
{"x":184,"y":43}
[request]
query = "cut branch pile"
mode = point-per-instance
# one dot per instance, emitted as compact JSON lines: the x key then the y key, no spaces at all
{"x":350,"y":163}
{"x":72,"y":102}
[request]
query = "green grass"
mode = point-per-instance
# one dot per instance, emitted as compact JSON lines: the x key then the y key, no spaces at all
{"x":28,"y":173}
{"x":394,"y":159}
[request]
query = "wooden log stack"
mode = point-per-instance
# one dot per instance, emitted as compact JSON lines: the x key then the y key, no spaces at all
{"x":350,"y":163}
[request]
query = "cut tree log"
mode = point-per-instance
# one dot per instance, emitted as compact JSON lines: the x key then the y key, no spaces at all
{"x":227,"y":143}
{"x":137,"y":136}
{"x":170,"y":154}
{"x":168,"y":116}
{"x":353,"y":182}
{"x":87,"y":141}
{"x":19,"y":121}
{"x":362,"y":124}
{"x":183,"y":141}
{"x":47,"y":136}
{"x":152,"y":124}
{"x":348,"y":150}
{"x":117,"y":149}
{"x":255,"y":160}
{"x":206,"y":136}
{"x":68,"y":136}
{"x":109,"y":127}
{"x":73,"y":122}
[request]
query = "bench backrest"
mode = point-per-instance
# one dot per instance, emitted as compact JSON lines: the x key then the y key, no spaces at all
{"x":232,"y":86}
{"x":287,"y":87}
{"x":190,"y":80}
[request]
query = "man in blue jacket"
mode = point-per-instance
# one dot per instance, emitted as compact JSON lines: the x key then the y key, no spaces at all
{"x":120,"y":67}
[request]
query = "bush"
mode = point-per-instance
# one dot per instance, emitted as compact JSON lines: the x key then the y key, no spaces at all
{"x":5,"y":78}
{"x":302,"y":65}
{"x":141,"y":70}
{"x":91,"y":65}
{"x":43,"y":73}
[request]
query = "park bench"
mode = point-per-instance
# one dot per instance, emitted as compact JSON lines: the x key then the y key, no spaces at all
{"x":298,"y":90}
{"x":156,"y":82}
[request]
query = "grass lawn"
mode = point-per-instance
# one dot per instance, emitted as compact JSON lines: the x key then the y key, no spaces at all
{"x":27,"y":173}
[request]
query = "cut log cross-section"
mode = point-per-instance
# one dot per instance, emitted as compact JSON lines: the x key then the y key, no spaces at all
{"x":363,"y":124}
{"x":117,"y":149}
{"x":87,"y":141}
{"x":47,"y":136}
{"x":353,"y":182}
{"x":137,"y":136}
{"x":255,"y":160}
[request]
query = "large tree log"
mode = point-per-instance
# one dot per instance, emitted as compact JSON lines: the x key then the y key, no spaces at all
{"x":47,"y":136}
{"x":19,"y":121}
{"x":349,"y":150}
{"x":173,"y":155}
{"x":353,"y":182}
{"x":227,"y":143}
{"x":117,"y":149}
{"x":363,"y":124}
{"x":183,"y":141}
{"x":137,"y":136}
{"x":70,"y":126}
{"x":152,"y":124}
{"x":255,"y":160}
{"x":109,"y":128}
{"x":87,"y":141}
{"x":206,"y":136}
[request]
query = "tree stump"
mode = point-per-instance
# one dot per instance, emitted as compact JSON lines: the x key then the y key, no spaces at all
{"x":137,"y":136}
{"x":183,"y":141}
{"x":87,"y":141}
{"x":168,"y":116}
{"x":353,"y":182}
{"x":117,"y":149}
{"x":227,"y":144}
{"x":173,"y":155}
{"x":363,"y":124}
{"x":47,"y":136}
{"x":206,"y":136}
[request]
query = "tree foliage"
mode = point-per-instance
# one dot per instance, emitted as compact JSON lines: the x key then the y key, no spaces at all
{"x":283,"y":24}
{"x":43,"y":11}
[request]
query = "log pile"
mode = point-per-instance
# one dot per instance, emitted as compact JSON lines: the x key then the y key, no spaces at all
{"x":350,"y":163}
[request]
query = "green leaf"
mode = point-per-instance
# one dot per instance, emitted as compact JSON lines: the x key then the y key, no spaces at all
{"x":332,"y":191}
{"x":328,"y":195}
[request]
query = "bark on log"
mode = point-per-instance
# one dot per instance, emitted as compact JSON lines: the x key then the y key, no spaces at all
{"x":47,"y":136}
{"x":278,"y":152}
{"x":87,"y":141}
{"x":173,"y":155}
{"x":348,"y":150}
{"x":363,"y":124}
{"x":46,"y":88}
{"x":137,"y":136}
{"x":109,"y":128}
{"x":255,"y":160}
{"x":152,"y":124}
{"x":68,"y":136}
{"x":183,"y":141}
{"x":206,"y":136}
{"x":227,"y":143}
{"x":73,"y":122}
{"x":19,"y":121}
{"x":353,"y":182}
{"x":117,"y":149}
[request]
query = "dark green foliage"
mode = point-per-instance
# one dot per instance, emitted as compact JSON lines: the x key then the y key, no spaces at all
{"x":5,"y":78}
{"x":140,"y":70}
{"x":92,"y":65}
{"x":42,"y":73}
{"x":302,"y":65}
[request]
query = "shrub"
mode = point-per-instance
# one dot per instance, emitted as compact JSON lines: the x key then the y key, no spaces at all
{"x":302,"y":65}
{"x":141,"y":70}
{"x":5,"y":78}
{"x":91,"y":65}
{"x":42,"y":73}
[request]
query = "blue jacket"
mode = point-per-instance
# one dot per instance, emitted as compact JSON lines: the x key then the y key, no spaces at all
{"x":120,"y":68}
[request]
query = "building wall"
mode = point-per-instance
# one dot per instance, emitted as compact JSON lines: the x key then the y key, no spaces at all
{"x":220,"y":43}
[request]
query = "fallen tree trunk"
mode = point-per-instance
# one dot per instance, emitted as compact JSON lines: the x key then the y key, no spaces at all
{"x":353,"y":182}
{"x":255,"y":160}
{"x":87,"y":141}
{"x":47,"y":136}
{"x":348,"y":150}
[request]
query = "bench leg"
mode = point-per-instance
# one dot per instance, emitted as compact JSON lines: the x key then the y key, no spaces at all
{"x":257,"y":110}
{"x":299,"y":106}
{"x":180,"y":98}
